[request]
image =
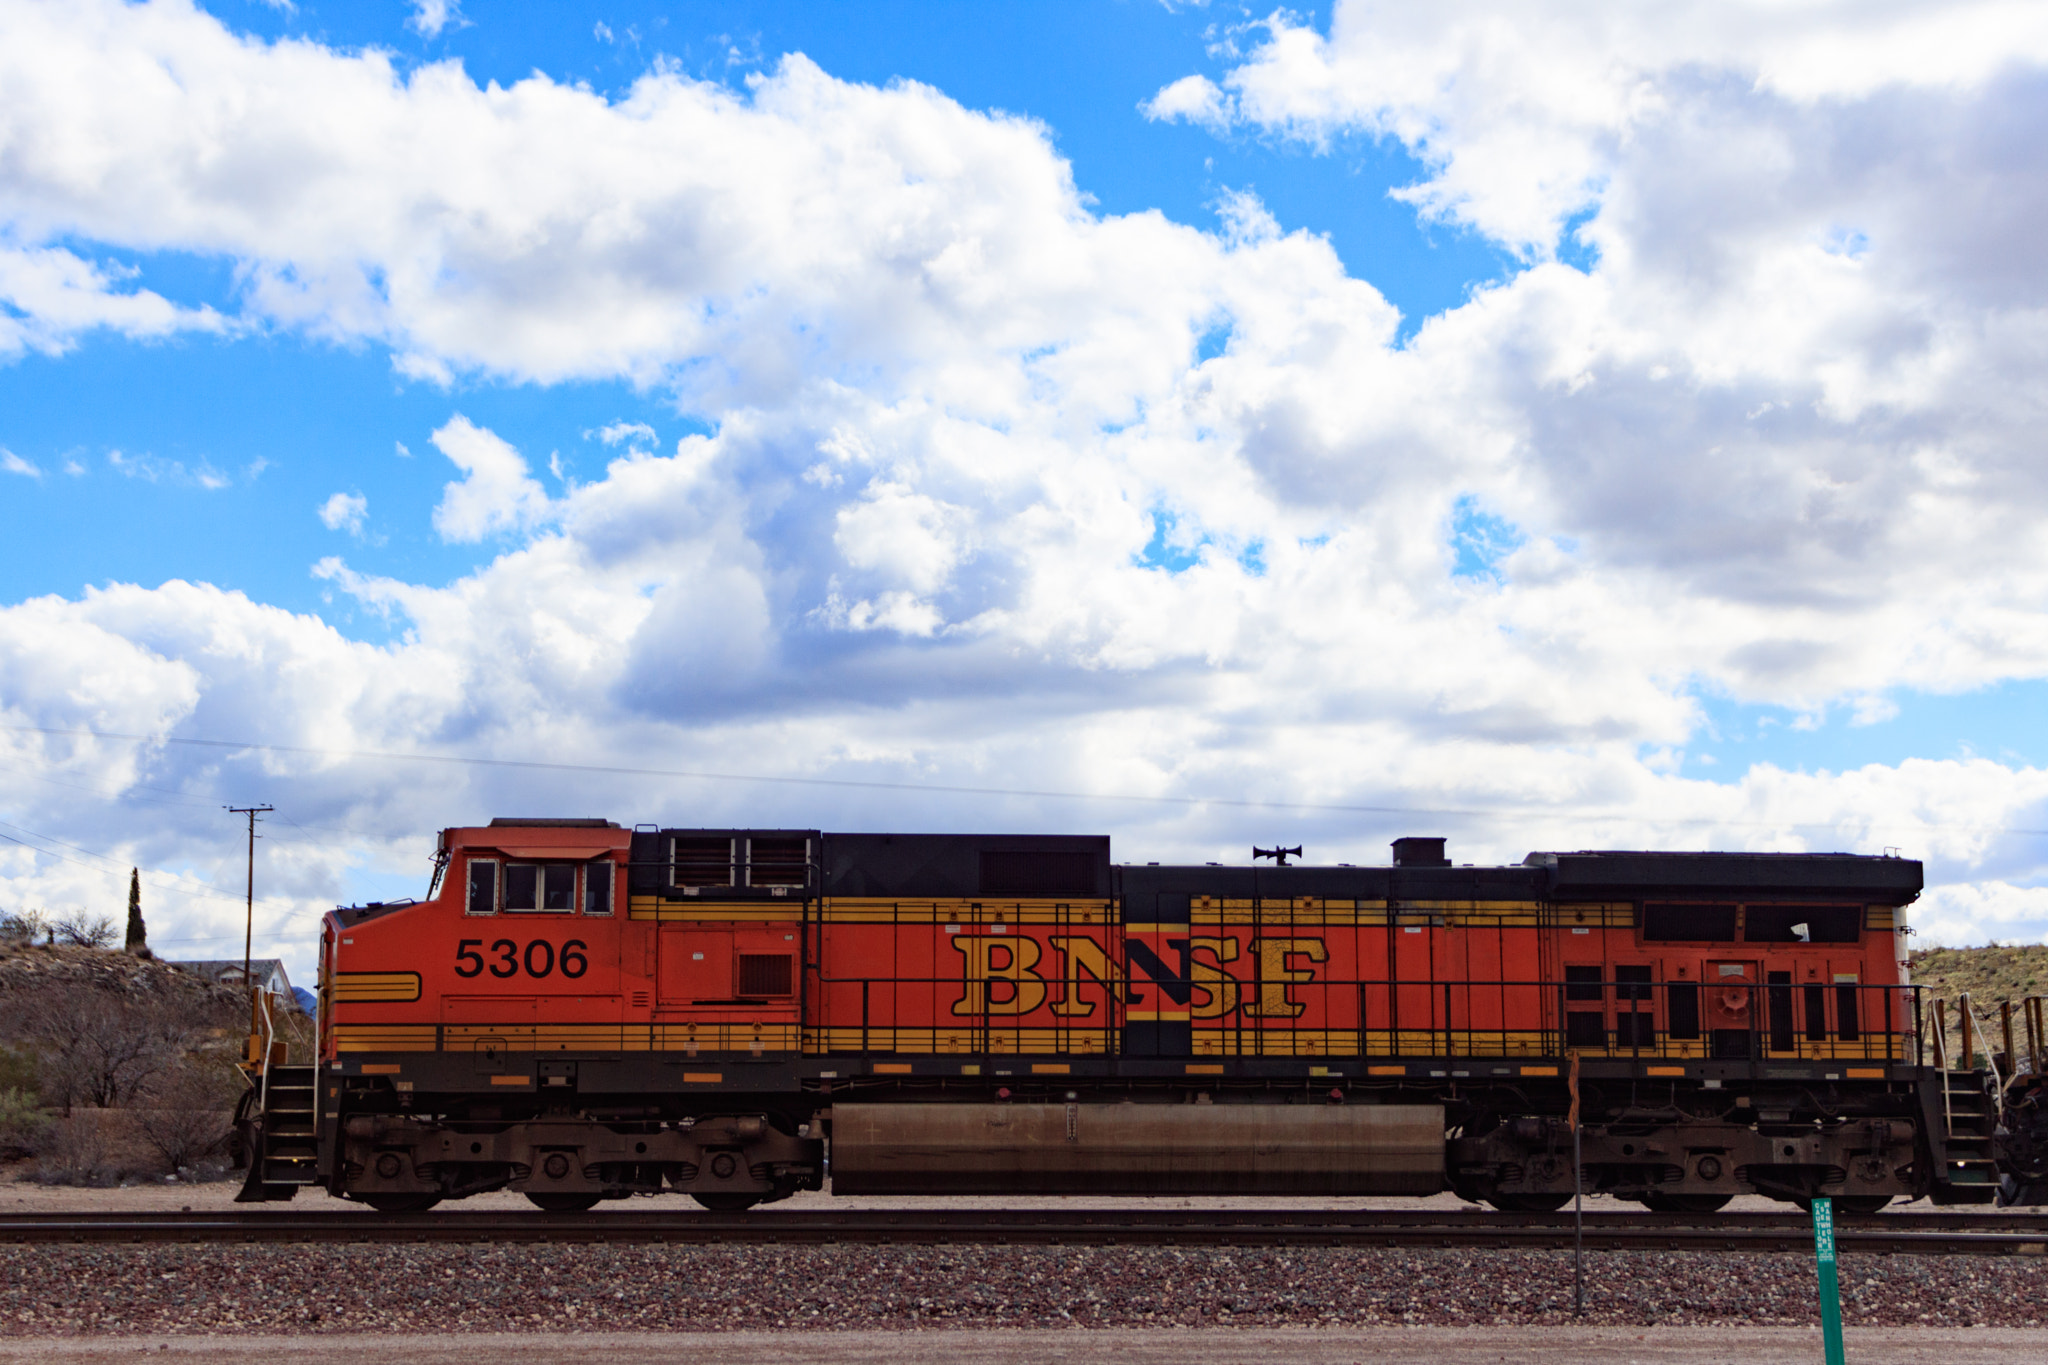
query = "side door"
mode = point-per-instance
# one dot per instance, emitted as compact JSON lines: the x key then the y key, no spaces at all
{"x":1733,"y":1000}
{"x":693,"y":965}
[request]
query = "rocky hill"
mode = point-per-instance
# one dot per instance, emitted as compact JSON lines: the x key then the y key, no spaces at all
{"x":27,"y":967}
{"x":1988,"y":974}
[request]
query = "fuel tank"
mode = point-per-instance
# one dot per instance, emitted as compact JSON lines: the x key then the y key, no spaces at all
{"x":1137,"y":1149}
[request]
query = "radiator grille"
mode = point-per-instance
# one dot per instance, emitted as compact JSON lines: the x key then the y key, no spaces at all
{"x":703,"y":862}
{"x":764,"y":974}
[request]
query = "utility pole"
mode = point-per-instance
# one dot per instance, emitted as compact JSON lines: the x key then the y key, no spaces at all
{"x":249,"y":925}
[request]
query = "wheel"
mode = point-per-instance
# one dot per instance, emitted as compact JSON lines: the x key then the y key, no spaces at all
{"x":727,"y":1203}
{"x":1685,"y":1203}
{"x":400,"y":1203}
{"x":563,"y":1203}
{"x":1859,"y":1203}
{"x":1529,"y":1203}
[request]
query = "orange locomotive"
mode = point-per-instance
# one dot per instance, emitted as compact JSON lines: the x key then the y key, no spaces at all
{"x":580,"y":1011}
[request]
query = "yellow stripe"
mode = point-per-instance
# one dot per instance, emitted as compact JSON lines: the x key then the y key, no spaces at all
{"x":361,"y":987}
{"x":1050,"y":1068}
{"x":383,"y":1038}
{"x":1203,"y":1069}
{"x":703,"y":1077}
{"x":999,"y":1042}
{"x":511,"y":1080}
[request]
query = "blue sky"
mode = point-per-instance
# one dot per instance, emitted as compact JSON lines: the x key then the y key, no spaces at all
{"x":1348,"y":410}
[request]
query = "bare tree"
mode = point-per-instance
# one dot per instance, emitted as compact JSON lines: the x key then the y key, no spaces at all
{"x":25,"y":926}
{"x":85,"y":931}
{"x":98,"y":1047}
{"x":187,"y":1108}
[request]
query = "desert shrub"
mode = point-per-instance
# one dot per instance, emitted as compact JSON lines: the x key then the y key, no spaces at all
{"x":187,"y":1111}
{"x":85,"y":931}
{"x":77,"y":1150}
{"x":23,"y":1125}
{"x":98,"y":1047}
{"x":17,"y":1068}
{"x":24,"y":926}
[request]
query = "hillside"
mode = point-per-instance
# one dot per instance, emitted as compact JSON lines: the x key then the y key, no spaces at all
{"x":27,"y":967}
{"x":1988,"y":974}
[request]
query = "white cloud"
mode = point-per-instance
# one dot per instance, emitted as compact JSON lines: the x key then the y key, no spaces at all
{"x":344,"y":512}
{"x":150,"y":468}
{"x":14,"y":464}
{"x":1194,"y":99}
{"x":50,"y":296}
{"x":429,"y":17}
{"x":626,"y":433}
{"x":1524,"y":113}
{"x":1774,"y":441}
{"x":495,"y":494}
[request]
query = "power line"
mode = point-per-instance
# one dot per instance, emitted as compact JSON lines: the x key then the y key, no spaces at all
{"x":951,"y":789}
{"x":161,"y":880}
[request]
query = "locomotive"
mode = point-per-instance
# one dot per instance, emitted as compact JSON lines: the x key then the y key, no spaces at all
{"x":580,"y":1011}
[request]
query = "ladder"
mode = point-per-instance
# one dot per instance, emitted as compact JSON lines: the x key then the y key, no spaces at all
{"x":283,"y":1136}
{"x":280,"y":1121}
{"x":1962,"y":1120}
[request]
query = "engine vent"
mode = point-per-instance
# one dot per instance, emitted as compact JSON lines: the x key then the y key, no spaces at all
{"x":703,"y":862}
{"x":778,"y":862}
{"x":765,"y":973}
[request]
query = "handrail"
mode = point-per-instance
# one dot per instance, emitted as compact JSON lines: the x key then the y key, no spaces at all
{"x":268,"y":1035}
{"x":1990,"y":1057}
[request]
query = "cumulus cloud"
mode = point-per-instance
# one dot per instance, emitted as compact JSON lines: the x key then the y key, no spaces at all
{"x":625,"y":433}
{"x":430,"y":17}
{"x":1770,"y":437}
{"x":50,"y":296}
{"x":1194,"y":99}
{"x":495,"y":494}
{"x":14,"y":464}
{"x":344,"y":512}
{"x":1524,"y":115}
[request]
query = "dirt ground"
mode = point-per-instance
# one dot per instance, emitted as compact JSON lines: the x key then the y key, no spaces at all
{"x":18,"y":1195}
{"x":1387,"y":1346}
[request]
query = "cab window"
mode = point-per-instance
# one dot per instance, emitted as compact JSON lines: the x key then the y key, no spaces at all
{"x":597,"y":887}
{"x":483,"y":886}
{"x":540,"y":888}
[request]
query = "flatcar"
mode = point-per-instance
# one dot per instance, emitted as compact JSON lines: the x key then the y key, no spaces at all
{"x":580,"y":1011}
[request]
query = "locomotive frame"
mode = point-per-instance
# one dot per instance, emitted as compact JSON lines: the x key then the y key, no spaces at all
{"x":579,"y":1011}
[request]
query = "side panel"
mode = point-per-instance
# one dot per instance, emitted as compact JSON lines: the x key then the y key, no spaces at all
{"x":1137,"y":1149}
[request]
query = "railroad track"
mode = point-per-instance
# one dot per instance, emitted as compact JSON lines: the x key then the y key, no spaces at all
{"x":1898,"y":1233}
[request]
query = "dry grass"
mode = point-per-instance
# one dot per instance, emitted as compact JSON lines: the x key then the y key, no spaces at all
{"x":1990,"y":974}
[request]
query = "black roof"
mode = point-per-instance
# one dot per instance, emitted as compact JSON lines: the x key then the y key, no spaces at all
{"x":997,"y":866}
{"x":1601,"y":874}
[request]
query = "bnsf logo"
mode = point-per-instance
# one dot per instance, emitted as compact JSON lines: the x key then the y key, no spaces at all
{"x":1014,"y":976}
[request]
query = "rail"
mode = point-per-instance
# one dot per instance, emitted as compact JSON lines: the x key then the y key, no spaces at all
{"x":1927,"y":1233}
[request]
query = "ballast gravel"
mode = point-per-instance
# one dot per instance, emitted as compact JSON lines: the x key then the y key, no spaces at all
{"x":318,"y":1289}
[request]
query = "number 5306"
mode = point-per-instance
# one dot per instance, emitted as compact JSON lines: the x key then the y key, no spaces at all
{"x":506,"y":959}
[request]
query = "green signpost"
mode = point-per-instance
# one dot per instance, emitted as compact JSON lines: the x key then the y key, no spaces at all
{"x":1830,"y":1286}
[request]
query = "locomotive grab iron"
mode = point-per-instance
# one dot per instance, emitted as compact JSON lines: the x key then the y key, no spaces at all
{"x":580,"y":1011}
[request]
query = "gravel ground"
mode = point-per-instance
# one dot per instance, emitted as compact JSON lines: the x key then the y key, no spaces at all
{"x":148,"y":1289}
{"x":1245,"y":1346}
